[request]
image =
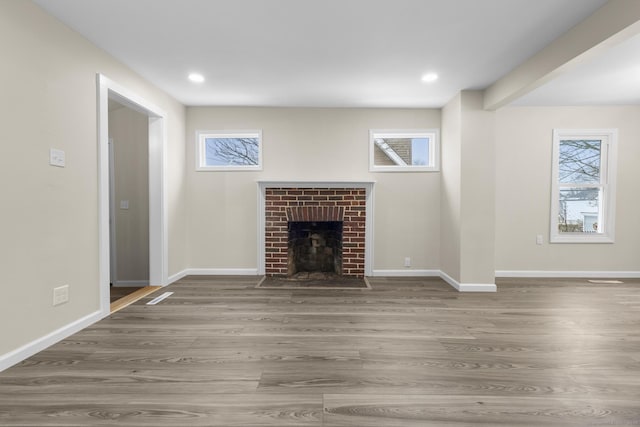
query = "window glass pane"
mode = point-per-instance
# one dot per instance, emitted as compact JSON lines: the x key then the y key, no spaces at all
{"x":420,"y":151}
{"x":401,"y":151}
{"x":231,"y":151}
{"x":579,"y":161}
{"x":579,"y":210}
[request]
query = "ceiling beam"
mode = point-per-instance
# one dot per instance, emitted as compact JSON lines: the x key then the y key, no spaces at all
{"x":616,"y":21}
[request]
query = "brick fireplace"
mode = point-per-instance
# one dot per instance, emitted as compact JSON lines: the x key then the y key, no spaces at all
{"x":320,"y":213}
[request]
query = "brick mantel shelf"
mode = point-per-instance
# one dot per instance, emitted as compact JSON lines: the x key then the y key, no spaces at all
{"x":278,"y":200}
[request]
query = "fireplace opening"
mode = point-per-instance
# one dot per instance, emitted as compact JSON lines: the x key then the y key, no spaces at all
{"x":314,"y":247}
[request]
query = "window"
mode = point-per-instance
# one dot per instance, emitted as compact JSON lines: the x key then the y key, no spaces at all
{"x":400,"y":150}
{"x":229,"y":150}
{"x":583,"y":186}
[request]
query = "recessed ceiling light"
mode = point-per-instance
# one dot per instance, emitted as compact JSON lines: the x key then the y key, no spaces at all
{"x":196,"y":78}
{"x":429,"y":77}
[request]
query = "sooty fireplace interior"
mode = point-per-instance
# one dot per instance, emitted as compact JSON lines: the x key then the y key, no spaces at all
{"x":314,"y":247}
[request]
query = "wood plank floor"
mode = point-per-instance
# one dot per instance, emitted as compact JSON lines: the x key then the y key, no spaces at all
{"x":409,"y":352}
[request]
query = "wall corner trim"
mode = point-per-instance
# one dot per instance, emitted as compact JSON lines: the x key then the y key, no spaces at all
{"x":175,"y":277}
{"x":18,"y":355}
{"x":468,"y":287}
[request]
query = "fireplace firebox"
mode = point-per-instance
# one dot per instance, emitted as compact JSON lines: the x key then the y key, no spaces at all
{"x":314,"y":247}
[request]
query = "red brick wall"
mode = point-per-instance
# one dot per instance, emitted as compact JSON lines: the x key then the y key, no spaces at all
{"x":319,"y":204}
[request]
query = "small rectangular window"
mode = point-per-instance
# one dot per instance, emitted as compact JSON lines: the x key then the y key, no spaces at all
{"x":403,"y":150}
{"x":229,"y":150}
{"x":583,"y":186}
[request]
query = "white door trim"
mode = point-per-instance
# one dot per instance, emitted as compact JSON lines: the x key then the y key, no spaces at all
{"x":113,"y":273}
{"x":158,"y":245}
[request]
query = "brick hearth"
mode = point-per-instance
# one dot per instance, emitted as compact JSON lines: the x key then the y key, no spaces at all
{"x":315,"y":204}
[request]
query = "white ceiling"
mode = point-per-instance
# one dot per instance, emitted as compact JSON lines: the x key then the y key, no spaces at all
{"x":334,"y":53}
{"x":612,"y":78}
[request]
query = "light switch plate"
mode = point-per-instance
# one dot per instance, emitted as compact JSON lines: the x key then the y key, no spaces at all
{"x":124,"y":204}
{"x":56,"y":157}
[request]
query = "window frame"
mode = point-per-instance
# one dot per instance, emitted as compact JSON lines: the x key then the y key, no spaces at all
{"x":200,"y":149}
{"x":606,"y":186}
{"x":433,"y":135}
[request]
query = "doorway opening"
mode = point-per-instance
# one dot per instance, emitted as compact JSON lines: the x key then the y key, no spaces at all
{"x":110,"y":205}
{"x":128,"y":201}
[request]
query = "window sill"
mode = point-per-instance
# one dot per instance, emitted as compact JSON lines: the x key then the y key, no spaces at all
{"x":404,"y":169}
{"x":228,"y":168}
{"x":580,"y":238}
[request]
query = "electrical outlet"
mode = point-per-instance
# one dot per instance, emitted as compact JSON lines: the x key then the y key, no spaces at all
{"x":407,"y":262}
{"x":539,"y":239}
{"x":60,"y":295}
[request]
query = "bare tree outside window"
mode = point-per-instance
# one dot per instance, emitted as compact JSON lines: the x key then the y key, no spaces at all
{"x":577,"y":204}
{"x":229,"y":150}
{"x":579,"y":164}
{"x":583,"y":186}
{"x":232,"y":151}
{"x":580,"y":161}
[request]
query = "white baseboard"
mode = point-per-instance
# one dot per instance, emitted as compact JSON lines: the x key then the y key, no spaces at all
{"x":131,"y":283}
{"x":221,"y":272}
{"x":18,"y":355}
{"x":569,"y":274}
{"x":468,"y":287}
{"x":478,"y":287}
{"x":406,"y":273}
{"x":462,"y":287}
